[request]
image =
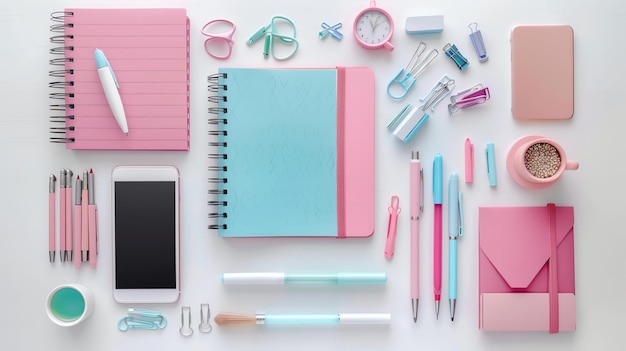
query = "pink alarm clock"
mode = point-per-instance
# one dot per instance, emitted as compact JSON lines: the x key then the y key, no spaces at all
{"x":373,"y":28}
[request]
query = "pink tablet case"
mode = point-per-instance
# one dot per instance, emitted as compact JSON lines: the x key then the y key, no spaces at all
{"x":542,"y":72}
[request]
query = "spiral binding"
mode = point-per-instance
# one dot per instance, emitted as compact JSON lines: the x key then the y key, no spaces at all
{"x":62,"y":111}
{"x":218,"y":121}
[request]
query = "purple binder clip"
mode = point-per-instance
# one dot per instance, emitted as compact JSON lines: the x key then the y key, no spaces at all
{"x":469,"y":97}
{"x":477,"y":41}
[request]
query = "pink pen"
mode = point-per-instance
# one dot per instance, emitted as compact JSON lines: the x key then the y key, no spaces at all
{"x":84,"y":247}
{"x":469,"y":161}
{"x":93,"y":225}
{"x":394,"y":211}
{"x":417,"y":207}
{"x":62,"y":209}
{"x":438,"y":232}
{"x":51,"y":216}
{"x":68,"y":214}
{"x":77,"y":223}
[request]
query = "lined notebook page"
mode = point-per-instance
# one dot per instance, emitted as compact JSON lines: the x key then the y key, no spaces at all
{"x":282,"y":152}
{"x":148,"y":52}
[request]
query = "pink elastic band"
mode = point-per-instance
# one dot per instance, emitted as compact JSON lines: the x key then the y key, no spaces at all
{"x":553,"y":283}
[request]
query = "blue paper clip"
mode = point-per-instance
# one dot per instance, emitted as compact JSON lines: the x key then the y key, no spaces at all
{"x":469,"y":97}
{"x":477,"y":40}
{"x":406,"y":77}
{"x":142,"y":319}
{"x":331,"y":30}
{"x":455,"y":55}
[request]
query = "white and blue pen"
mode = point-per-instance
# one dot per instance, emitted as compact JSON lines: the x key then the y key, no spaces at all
{"x":455,"y":230}
{"x":235,"y":319}
{"x":275,"y":278}
{"x":111,"y":89}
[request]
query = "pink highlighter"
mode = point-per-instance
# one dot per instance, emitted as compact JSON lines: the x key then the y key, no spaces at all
{"x":394,"y":211}
{"x":68,"y":214}
{"x":62,"y":207}
{"x":84,"y":213}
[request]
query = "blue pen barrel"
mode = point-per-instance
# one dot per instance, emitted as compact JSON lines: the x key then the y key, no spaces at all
{"x":452,"y":278}
{"x":301,"y":319}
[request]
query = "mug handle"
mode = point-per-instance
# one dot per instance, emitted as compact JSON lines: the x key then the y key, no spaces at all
{"x":571,"y":165}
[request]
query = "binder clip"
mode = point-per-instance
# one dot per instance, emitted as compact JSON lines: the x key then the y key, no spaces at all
{"x":331,"y":30}
{"x":469,"y":97}
{"x":411,"y":118}
{"x":477,"y":40}
{"x":455,"y":55}
{"x":406,"y":77}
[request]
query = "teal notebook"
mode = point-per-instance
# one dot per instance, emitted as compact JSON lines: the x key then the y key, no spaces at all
{"x":282,"y":159}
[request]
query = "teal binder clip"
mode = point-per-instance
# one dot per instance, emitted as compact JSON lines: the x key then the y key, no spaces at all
{"x":455,"y":55}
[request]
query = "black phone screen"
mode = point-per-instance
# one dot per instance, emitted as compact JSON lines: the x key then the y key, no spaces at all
{"x":145,"y":234}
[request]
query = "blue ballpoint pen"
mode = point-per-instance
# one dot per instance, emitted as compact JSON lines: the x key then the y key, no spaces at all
{"x":110,"y":87}
{"x":455,"y":230}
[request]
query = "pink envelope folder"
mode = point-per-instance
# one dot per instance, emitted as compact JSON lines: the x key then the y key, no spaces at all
{"x":515,"y":258}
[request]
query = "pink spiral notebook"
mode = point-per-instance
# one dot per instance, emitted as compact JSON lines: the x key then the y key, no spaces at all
{"x":148,"y":50}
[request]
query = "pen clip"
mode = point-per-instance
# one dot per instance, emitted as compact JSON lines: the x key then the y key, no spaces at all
{"x":394,"y":210}
{"x":461,"y":219}
{"x":422,"y":190}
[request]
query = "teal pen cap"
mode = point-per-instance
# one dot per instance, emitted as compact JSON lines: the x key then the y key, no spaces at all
{"x":438,"y":179}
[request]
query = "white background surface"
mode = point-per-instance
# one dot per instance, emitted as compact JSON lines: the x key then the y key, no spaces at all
{"x":591,"y":137}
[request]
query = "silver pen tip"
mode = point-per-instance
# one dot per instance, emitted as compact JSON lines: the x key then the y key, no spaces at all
{"x":414,"y":303}
{"x":437,"y":309}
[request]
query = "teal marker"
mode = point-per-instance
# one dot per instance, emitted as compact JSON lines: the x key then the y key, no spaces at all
{"x":272,"y":278}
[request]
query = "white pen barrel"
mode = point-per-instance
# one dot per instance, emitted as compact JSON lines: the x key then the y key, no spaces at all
{"x":364,"y":318}
{"x":113,"y":97}
{"x":253,"y":278}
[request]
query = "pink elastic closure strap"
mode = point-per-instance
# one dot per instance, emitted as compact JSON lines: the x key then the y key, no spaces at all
{"x":226,"y":37}
{"x":553,"y":283}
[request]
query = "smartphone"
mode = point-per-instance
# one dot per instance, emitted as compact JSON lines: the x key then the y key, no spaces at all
{"x":146,"y":234}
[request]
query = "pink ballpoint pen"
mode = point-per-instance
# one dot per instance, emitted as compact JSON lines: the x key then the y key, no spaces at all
{"x":84,"y":247}
{"x":51,"y":216}
{"x":93,"y":224}
{"x":438,"y":232}
{"x":77,"y":223}
{"x":68,"y":215}
{"x":62,"y":207}
{"x":417,"y":207}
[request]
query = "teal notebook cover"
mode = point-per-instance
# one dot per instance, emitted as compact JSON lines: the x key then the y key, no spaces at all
{"x":281,"y":153}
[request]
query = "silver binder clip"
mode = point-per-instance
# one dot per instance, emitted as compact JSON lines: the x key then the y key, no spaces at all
{"x":477,"y":40}
{"x":406,"y":77}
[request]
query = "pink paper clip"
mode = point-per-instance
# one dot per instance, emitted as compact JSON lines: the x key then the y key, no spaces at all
{"x":394,"y":211}
{"x":469,"y":97}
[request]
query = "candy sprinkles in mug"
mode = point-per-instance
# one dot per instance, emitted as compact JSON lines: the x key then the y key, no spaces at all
{"x":542,"y":160}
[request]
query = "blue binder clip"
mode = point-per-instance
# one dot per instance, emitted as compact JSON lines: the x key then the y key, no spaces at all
{"x":477,"y":40}
{"x":455,"y":55}
{"x":406,"y":77}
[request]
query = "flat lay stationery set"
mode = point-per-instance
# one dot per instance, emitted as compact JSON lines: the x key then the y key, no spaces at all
{"x":300,"y":142}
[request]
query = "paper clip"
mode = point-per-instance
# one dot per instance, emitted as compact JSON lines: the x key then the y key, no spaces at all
{"x":185,"y":328}
{"x":331,"y":30}
{"x":410,"y":119}
{"x":469,"y":97}
{"x":491,"y":164}
{"x":205,"y":325}
{"x":394,"y":211}
{"x":455,"y":55}
{"x":406,"y":77}
{"x":142,"y":319}
{"x":437,"y":93}
{"x":477,"y":40}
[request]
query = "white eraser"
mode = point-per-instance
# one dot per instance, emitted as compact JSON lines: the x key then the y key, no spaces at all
{"x":424,"y":24}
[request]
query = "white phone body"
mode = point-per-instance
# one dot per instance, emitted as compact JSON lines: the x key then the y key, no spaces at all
{"x":145,"y":225}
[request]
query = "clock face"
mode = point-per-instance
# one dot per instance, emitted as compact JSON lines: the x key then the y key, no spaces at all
{"x":373,"y":28}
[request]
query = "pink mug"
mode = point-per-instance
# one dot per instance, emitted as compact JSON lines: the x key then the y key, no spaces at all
{"x":536,"y":162}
